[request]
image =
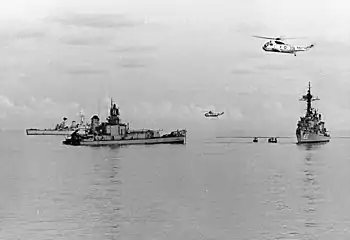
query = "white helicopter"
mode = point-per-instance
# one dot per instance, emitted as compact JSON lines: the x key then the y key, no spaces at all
{"x":212,"y":114}
{"x":277,"y":45}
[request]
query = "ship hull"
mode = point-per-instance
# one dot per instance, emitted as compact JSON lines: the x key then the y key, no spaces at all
{"x":49,"y":132}
{"x":160,"y":140}
{"x":312,"y":138}
{"x":52,"y":132}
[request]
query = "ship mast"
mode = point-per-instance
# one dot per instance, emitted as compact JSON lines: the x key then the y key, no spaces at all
{"x":111,"y":103}
{"x":309,"y":98}
{"x":82,"y":117}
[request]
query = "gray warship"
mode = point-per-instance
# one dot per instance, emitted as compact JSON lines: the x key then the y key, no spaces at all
{"x":115,"y":132}
{"x":310,"y":128}
{"x":61,"y":128}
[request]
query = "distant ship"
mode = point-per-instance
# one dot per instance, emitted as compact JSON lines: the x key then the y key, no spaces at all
{"x":310,"y":128}
{"x":114,"y":132}
{"x":61,"y":128}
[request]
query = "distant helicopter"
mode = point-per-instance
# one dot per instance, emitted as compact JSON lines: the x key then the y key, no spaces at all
{"x":212,"y":114}
{"x":277,"y":45}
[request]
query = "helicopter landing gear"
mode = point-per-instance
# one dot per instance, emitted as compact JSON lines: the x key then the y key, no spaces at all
{"x":295,"y":54}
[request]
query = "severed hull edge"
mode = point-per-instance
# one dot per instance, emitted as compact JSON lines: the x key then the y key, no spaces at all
{"x":160,"y":140}
{"x":48,"y":132}
{"x":313,"y":138}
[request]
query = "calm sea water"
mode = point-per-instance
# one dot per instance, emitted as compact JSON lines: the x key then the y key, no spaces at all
{"x":208,"y":189}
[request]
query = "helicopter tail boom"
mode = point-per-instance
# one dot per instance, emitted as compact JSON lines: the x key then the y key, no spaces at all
{"x":300,"y":49}
{"x":310,"y":46}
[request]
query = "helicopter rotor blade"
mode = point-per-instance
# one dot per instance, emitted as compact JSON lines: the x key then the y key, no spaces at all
{"x":284,"y":37}
{"x":264,"y":37}
{"x":278,"y":38}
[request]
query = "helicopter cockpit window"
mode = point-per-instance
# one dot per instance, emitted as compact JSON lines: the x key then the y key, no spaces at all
{"x":278,"y":42}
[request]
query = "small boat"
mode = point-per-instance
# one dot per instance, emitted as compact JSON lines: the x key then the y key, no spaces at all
{"x":115,"y":132}
{"x":255,"y":139}
{"x":272,"y":140}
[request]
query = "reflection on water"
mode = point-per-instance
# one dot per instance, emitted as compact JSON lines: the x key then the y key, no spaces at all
{"x":311,"y":190}
{"x":311,"y":146}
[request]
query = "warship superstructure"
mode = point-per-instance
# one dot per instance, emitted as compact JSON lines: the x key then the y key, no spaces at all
{"x":310,"y":128}
{"x":115,"y":132}
{"x":61,"y":128}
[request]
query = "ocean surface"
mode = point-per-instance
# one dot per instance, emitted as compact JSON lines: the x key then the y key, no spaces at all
{"x":211,"y":188}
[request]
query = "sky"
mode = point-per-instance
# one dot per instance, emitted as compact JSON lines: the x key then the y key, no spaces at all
{"x":166,"y":62}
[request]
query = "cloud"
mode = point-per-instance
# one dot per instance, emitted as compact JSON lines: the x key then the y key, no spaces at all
{"x":14,"y":34}
{"x":84,"y":41}
{"x":100,"y":21}
{"x":271,"y":66}
{"x":85,"y":71}
{"x":8,"y":107}
{"x":49,"y":107}
{"x":131,"y":63}
{"x":36,"y":110}
{"x":29,"y":34}
{"x":39,"y":112}
{"x":138,"y":49}
{"x":5,"y":102}
{"x":83,"y":37}
{"x":336,"y":117}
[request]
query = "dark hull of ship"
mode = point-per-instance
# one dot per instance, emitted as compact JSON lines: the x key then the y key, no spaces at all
{"x":312,"y":138}
{"x":158,"y":140}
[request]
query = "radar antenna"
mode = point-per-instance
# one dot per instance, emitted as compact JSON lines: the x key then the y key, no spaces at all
{"x":82,"y":116}
{"x":308,"y":98}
